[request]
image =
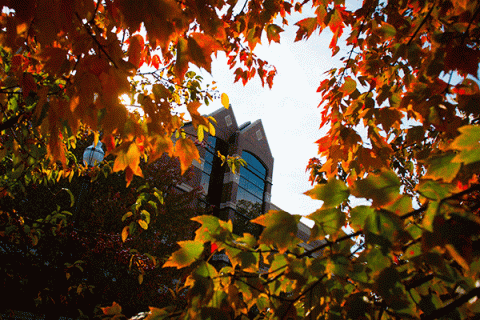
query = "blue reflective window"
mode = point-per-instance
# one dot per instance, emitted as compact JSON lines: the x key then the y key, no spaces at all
{"x":208,"y":162}
{"x":252,"y":180}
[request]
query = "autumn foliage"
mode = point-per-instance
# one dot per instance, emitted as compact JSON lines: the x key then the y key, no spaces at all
{"x":403,"y":142}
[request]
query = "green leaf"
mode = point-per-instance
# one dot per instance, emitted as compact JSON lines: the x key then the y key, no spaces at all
{"x":429,"y":215}
{"x":280,"y":229}
{"x":327,"y":222}
{"x":146,"y":216}
{"x":72,"y":198}
{"x":337,"y":265}
{"x":381,"y":188}
{"x":348,"y":86}
{"x":189,"y":252}
{"x":358,"y":215}
{"x":375,"y":260}
{"x":385,"y":224}
{"x":386,"y":30}
{"x":390,"y":288}
{"x":333,"y":193}
{"x":467,"y":156}
{"x":273,"y":33}
{"x":442,"y":167}
{"x":213,"y":229}
{"x":126,"y":215}
{"x":435,"y":190}
{"x":468,"y":139}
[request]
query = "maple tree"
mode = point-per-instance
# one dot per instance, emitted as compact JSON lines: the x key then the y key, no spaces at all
{"x":402,"y":117}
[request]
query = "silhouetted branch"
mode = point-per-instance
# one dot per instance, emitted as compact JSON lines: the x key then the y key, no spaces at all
{"x":442,"y":312}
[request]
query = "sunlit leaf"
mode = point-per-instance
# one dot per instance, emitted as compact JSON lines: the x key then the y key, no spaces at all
{"x":327,"y":222}
{"x":358,"y":216}
{"x":186,"y":151}
{"x":225,"y":101}
{"x":305,"y":28}
{"x":443,"y":167}
{"x":468,"y":142}
{"x":280,"y":229}
{"x":381,"y":188}
{"x":273,"y":33}
{"x":348,"y":86}
{"x":333,"y":193}
{"x":189,"y":252}
{"x":125,"y":232}
{"x":143,"y":224}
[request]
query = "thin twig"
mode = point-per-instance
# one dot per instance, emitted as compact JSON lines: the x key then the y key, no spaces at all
{"x":330,"y":243}
{"x":442,"y":312}
{"x":100,"y":46}
{"x":421,"y":24}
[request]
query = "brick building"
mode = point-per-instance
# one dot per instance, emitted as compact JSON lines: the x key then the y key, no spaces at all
{"x":242,"y":196}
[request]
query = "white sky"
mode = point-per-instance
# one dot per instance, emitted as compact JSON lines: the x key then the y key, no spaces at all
{"x":288,"y":111}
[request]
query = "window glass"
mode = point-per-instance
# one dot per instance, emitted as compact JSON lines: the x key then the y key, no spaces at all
{"x":252,"y":180}
{"x":208,"y":162}
{"x":254,"y":165}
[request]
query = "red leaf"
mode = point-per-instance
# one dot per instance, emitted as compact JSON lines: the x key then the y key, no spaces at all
{"x":305,"y":28}
{"x":463,"y":59}
{"x":155,"y":61}
{"x":181,"y":65}
{"x":200,"y":49}
{"x":28,"y":84}
{"x":135,"y":50}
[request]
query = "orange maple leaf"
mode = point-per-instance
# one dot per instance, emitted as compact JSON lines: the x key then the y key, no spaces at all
{"x":186,"y":151}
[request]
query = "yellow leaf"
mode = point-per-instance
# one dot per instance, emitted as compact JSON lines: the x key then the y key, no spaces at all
{"x":143,"y":224}
{"x":128,"y":160}
{"x":140,"y":278}
{"x":125,"y":233}
{"x":225,"y":101}
{"x":200,"y":134}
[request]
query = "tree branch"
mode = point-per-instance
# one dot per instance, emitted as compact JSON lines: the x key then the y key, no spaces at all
{"x":452,"y":306}
{"x":329,"y":243}
{"x":421,"y":24}
{"x":90,"y":33}
{"x":11,"y":122}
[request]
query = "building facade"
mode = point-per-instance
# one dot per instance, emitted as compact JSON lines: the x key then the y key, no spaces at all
{"x":246,"y":194}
